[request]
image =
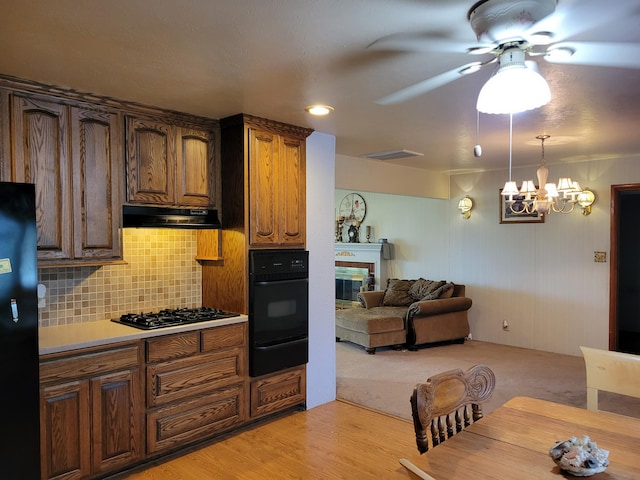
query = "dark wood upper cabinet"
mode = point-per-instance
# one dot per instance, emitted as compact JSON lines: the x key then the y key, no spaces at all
{"x":170,"y":165}
{"x":73,"y":156}
{"x":97,"y":179}
{"x":274,"y":157}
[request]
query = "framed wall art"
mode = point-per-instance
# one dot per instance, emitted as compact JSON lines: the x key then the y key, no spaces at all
{"x":507,"y":215}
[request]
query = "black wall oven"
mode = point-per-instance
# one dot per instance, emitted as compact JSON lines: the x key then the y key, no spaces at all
{"x":278,"y":310}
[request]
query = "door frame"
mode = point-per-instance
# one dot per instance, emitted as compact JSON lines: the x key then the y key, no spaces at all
{"x":616,"y":191}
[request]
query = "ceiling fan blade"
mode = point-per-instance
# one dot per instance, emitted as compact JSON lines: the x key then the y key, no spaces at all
{"x":573,"y":17}
{"x":404,"y":42}
{"x":623,"y":55}
{"x":426,"y":85}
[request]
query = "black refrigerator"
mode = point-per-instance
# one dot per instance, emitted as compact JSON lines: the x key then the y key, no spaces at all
{"x":19,"y":388}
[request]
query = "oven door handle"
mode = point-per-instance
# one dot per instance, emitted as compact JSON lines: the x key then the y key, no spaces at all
{"x":288,"y":341}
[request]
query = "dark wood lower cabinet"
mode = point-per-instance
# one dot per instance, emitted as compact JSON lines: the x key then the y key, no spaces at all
{"x":64,"y":426}
{"x":196,"y":386}
{"x":278,"y":391}
{"x":195,"y":419}
{"x":108,"y":408}
{"x":116,"y":426}
{"x":91,"y":417}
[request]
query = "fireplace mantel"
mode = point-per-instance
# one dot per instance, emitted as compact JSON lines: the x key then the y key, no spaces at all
{"x":367,"y":253}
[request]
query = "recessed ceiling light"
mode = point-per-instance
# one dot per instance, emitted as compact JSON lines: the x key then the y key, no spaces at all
{"x":319,"y":110}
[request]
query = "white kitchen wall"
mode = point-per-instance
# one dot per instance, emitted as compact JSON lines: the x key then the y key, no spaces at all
{"x":321,"y":369}
{"x":542,"y":278}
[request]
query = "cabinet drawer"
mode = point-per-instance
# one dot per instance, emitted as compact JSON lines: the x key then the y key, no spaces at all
{"x":87,"y":363}
{"x":272,"y":393}
{"x":173,"y":346}
{"x":224,"y":337}
{"x":195,"y":419}
{"x":178,"y":379}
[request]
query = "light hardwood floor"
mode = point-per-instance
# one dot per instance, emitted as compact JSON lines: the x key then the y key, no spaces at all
{"x":337,"y":440}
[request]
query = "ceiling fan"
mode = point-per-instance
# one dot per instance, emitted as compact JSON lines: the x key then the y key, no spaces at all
{"x":522,"y":28}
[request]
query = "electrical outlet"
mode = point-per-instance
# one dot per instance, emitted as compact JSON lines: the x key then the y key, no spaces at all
{"x":600,"y":257}
{"x":505,"y":325}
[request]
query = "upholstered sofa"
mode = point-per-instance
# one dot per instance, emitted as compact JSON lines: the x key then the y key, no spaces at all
{"x":407,"y":313}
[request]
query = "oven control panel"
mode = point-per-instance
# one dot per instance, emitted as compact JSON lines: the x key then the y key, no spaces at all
{"x":278,"y":262}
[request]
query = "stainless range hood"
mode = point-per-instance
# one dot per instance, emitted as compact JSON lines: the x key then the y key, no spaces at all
{"x":160,"y":217}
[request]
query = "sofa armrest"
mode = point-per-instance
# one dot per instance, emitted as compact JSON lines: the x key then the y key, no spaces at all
{"x":440,"y":305}
{"x":371,"y":298}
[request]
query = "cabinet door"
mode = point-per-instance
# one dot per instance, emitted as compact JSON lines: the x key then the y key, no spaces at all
{"x":196,"y":418}
{"x":40,"y":143}
{"x":292,"y":191}
{"x":192,"y":376}
{"x":116,"y":420}
{"x":64,"y":431}
{"x":278,"y":391}
{"x":195,"y":169}
{"x":263,"y":201}
{"x":151,"y":158}
{"x":97,"y":178}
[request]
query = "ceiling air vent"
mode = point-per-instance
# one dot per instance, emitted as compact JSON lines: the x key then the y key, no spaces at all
{"x":392,"y":155}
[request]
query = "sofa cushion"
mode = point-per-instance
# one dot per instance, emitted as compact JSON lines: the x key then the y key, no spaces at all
{"x":373,"y":320}
{"x":448,"y":289}
{"x":443,"y":291}
{"x":397,"y":293}
{"x":421,"y":288}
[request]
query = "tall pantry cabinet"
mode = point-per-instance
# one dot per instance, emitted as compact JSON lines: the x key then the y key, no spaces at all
{"x":263,"y":206}
{"x":264,"y":201}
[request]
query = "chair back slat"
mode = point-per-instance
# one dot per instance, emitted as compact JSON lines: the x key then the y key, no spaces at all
{"x":614,"y":372}
{"x":441,"y":404}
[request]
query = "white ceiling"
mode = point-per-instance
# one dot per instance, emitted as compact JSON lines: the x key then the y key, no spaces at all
{"x":271,"y":58}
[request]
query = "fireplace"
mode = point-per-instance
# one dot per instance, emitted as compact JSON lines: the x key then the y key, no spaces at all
{"x":359,"y":267}
{"x":350,"y":281}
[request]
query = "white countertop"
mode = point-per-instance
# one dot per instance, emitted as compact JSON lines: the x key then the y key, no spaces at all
{"x":92,"y":334}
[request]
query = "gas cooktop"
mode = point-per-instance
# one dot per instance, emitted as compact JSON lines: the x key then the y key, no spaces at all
{"x":172,"y":317}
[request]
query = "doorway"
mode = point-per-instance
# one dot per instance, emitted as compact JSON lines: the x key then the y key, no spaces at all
{"x":624,"y":296}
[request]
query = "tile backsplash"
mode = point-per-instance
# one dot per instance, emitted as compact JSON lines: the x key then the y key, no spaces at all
{"x":160,"y":272}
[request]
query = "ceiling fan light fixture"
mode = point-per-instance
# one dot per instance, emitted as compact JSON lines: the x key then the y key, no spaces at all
{"x":514,"y":88}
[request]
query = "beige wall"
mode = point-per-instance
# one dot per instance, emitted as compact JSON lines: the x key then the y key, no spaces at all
{"x":541,"y":278}
{"x":160,"y":272}
{"x":384,"y":177}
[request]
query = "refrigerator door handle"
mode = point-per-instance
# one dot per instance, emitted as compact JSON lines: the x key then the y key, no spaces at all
{"x":14,"y":310}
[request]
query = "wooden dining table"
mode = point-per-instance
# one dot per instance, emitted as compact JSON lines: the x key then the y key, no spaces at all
{"x":513,"y":442}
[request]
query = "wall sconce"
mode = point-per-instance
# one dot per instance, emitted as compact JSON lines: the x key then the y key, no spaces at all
{"x":465,"y":205}
{"x":585,"y":200}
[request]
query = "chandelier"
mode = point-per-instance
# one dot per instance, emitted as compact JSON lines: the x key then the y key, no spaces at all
{"x":547,"y":197}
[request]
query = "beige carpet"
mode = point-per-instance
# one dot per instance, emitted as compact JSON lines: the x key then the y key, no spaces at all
{"x":385,"y":381}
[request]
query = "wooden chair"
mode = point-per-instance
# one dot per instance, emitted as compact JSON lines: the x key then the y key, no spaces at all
{"x":414,"y":472}
{"x":612,"y":372}
{"x":448,"y":402}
